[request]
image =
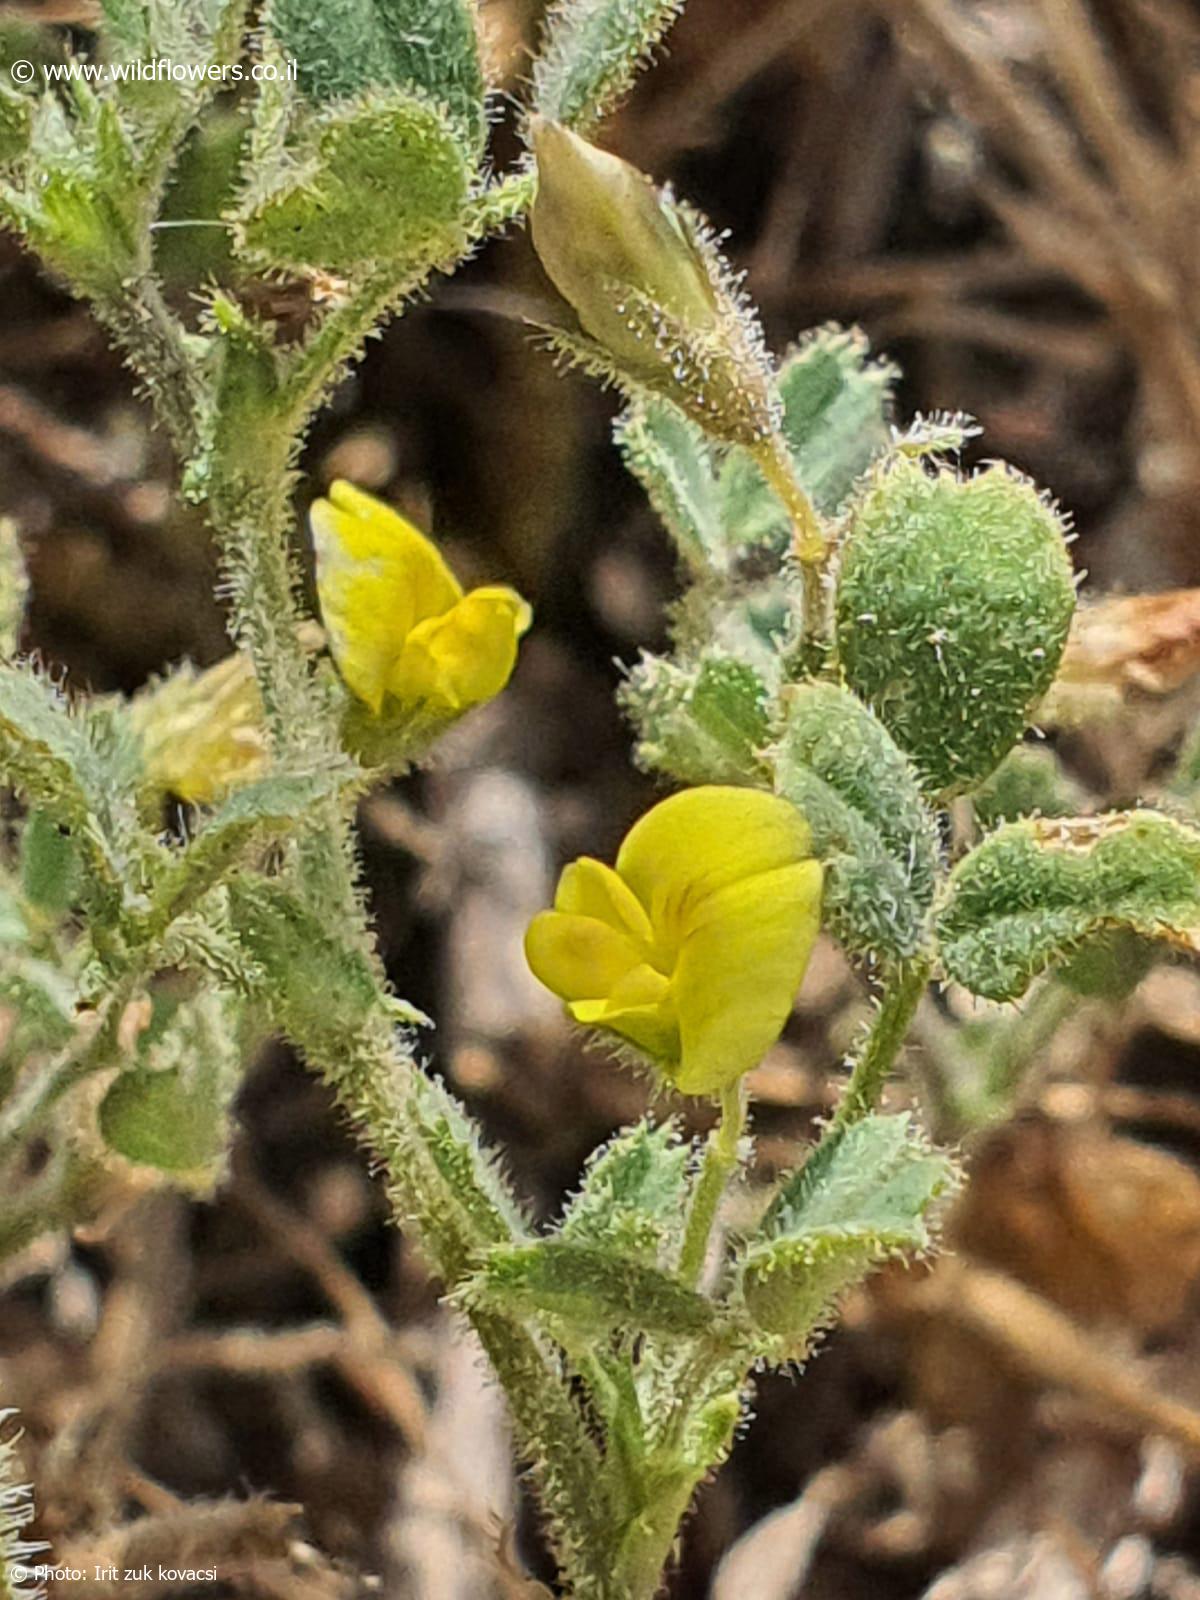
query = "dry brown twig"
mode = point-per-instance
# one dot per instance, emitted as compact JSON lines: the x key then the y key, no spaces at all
{"x":1103,"y":197}
{"x":364,"y":1351}
{"x":1039,"y":1342}
{"x":204,"y":1537}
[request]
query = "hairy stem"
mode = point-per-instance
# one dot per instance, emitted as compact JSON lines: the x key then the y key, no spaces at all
{"x":155,"y":345}
{"x":456,"y":1224}
{"x":252,"y":516}
{"x":897,"y":1007}
{"x":810,"y":543}
{"x":774,"y":458}
{"x":1018,"y":1046}
{"x":339,"y":339}
{"x":252,"y":521}
{"x":720,"y":1160}
{"x":343,"y":333}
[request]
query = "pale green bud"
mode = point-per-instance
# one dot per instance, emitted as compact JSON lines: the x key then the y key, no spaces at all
{"x":653,"y":300}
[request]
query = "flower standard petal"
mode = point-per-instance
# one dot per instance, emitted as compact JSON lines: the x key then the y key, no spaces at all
{"x":382,"y":531}
{"x":463,"y":656}
{"x":740,"y":965}
{"x":700,"y":841}
{"x":377,"y":577}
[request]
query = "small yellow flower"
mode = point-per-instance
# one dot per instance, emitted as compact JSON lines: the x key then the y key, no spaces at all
{"x":398,"y":621}
{"x":693,"y":948}
{"x":202,"y":733}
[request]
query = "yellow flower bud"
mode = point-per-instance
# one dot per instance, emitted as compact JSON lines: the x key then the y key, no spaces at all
{"x":647,"y":287}
{"x":399,"y":624}
{"x":693,"y":948}
{"x":202,"y":733}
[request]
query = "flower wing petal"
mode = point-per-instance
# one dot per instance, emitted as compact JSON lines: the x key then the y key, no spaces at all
{"x":578,"y":958}
{"x":377,"y":577}
{"x":738,"y":972}
{"x":588,"y":888}
{"x":464,"y":656}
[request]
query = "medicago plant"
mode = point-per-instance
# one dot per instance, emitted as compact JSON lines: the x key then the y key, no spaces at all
{"x":864,"y":639}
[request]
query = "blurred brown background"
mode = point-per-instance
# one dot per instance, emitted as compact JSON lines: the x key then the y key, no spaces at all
{"x":1006,"y":196}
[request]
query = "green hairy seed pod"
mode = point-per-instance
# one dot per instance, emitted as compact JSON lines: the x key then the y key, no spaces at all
{"x":649,"y":291}
{"x":953,"y":606}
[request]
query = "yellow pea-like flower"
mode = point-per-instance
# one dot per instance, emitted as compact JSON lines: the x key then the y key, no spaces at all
{"x":693,"y":947}
{"x":399,"y":624}
{"x":202,"y":733}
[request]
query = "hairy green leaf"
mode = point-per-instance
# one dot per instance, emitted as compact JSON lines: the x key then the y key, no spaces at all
{"x":318,"y":988}
{"x":839,"y":765}
{"x":377,"y":180}
{"x":1034,"y":891}
{"x":157,"y":1119}
{"x":633,"y":1195}
{"x":674,"y":462}
{"x":197,"y":39}
{"x":79,"y":200}
{"x":590,"y":52}
{"x":49,"y":864}
{"x":862,"y":1196}
{"x":466,"y":1169}
{"x":127,"y":26}
{"x":80,"y":768}
{"x":590,"y":1287}
{"x":344,"y":47}
{"x":702,"y":721}
{"x":173,"y":1113}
